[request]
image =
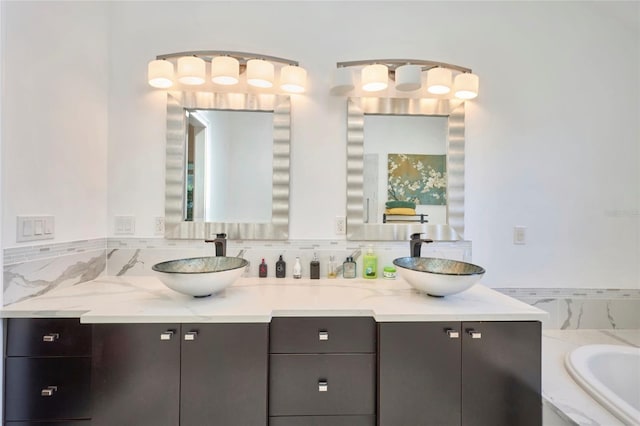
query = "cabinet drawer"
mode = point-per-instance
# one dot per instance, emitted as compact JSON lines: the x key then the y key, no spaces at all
{"x":27,"y":378}
{"x":326,"y":384}
{"x":48,"y":337}
{"x":323,"y":335}
{"x":323,"y":421}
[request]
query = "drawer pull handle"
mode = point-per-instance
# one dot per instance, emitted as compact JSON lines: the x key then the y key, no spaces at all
{"x":167,"y":335}
{"x":323,"y":335}
{"x":453,"y":334}
{"x":51,"y":337}
{"x":323,"y":386}
{"x":191,"y":335}
{"x":48,"y":391}
{"x":474,"y":334}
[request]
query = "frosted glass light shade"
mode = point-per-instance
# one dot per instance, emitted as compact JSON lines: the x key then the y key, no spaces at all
{"x":293,"y":79}
{"x":225,"y":70}
{"x":408,"y":77}
{"x":439,"y":81}
{"x":260,"y":73}
{"x":466,"y":85}
{"x":191,"y":70}
{"x":160,"y":74}
{"x":342,"y":81}
{"x":375,"y":78}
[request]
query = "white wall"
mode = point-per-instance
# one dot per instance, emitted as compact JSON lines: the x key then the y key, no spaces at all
{"x":54,"y":104}
{"x":551,"y":145}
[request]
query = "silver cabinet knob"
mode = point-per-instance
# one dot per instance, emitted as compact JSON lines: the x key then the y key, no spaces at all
{"x":474,"y":334}
{"x":453,"y":334}
{"x":323,"y":335}
{"x":48,"y":391}
{"x":191,"y":335}
{"x":323,"y":386}
{"x":51,"y":337}
{"x":167,"y":335}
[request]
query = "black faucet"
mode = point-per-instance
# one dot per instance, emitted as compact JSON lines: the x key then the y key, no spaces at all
{"x":221,"y":244}
{"x":415,"y":244}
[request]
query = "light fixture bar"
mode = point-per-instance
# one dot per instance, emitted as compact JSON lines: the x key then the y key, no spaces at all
{"x":243,"y":57}
{"x":394,"y":63}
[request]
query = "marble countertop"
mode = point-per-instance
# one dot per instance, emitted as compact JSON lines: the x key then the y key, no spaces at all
{"x":144,"y":299}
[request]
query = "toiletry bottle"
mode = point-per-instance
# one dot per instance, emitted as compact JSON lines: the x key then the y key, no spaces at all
{"x":314,"y":268}
{"x":281,"y":268}
{"x":349,"y":268}
{"x":332,"y":268}
{"x":297,"y":269}
{"x":262,"y":269}
{"x":370,"y":264}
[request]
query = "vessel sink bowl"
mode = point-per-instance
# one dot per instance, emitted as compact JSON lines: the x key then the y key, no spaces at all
{"x":438,"y":277}
{"x":200,"y":276}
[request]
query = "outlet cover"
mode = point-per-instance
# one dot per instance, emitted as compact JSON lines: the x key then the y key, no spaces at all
{"x":125,"y":225}
{"x":340,"y":225}
{"x":520,"y":235}
{"x":158,"y":226}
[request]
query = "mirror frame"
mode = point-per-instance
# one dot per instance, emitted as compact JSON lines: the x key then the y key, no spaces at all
{"x":356,"y":109}
{"x":175,"y":225}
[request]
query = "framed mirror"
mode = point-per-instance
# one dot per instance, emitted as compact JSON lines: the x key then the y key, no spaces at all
{"x":401,"y":149}
{"x":227,"y":165}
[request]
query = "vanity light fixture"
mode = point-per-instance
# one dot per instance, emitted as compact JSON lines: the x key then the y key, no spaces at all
{"x":225,"y":69}
{"x":191,"y":70}
{"x":409,"y":76}
{"x":375,"y":77}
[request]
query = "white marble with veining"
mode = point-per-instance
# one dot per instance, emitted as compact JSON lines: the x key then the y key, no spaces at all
{"x":570,"y":400}
{"x":146,"y":299}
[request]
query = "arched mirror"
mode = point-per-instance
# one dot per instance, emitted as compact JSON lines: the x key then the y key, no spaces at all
{"x":227,"y":165}
{"x":399,"y":151}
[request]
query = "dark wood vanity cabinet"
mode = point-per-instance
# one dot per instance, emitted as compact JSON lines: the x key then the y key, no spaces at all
{"x":47,"y":372}
{"x":452,"y":373}
{"x":322,"y":371}
{"x":180,"y":374}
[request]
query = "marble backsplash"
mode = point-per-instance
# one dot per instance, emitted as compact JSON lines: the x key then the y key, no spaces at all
{"x":33,"y":270}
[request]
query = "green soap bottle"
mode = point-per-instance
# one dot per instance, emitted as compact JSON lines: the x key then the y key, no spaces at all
{"x":370,"y":264}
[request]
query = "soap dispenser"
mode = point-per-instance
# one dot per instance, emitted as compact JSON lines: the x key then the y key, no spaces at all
{"x":370,"y":264}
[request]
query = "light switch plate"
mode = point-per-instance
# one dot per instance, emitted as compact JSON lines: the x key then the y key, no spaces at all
{"x":33,"y":228}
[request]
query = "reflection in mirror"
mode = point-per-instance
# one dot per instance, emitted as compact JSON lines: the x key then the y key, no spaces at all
{"x":404,"y":160}
{"x":227,"y":165}
{"x":408,"y":150}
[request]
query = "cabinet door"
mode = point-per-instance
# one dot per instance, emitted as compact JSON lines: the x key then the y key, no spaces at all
{"x":224,"y":374}
{"x":419,"y":374}
{"x":501,"y":374}
{"x":136,"y":374}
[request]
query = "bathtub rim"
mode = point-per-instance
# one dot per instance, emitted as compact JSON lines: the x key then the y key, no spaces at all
{"x":575,"y":363}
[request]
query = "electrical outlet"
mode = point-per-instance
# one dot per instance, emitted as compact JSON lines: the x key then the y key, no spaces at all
{"x":159,"y":226}
{"x":125,"y":225}
{"x":341,"y":225}
{"x":520,"y":235}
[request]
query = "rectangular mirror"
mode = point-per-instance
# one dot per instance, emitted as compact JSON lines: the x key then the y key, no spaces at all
{"x":227,"y":165}
{"x":401,"y":149}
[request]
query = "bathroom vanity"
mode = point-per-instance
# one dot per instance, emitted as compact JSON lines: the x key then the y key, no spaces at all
{"x":273,"y":352}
